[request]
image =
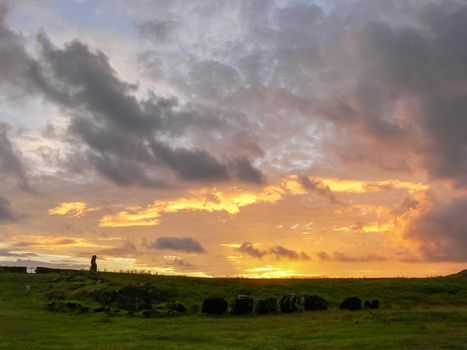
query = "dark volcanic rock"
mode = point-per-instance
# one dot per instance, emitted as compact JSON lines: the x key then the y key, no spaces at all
{"x":371,"y":303}
{"x":101,"y":309}
{"x":291,"y":303}
{"x":149,"y":313}
{"x":62,"y":306}
{"x":351,"y":303}
{"x":266,"y":306}
{"x":175,"y":307}
{"x":242,"y":305}
{"x":214,"y":306}
{"x":132,"y":298}
{"x":315,"y":302}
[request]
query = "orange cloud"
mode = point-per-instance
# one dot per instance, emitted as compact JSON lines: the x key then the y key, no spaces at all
{"x":201,"y":200}
{"x":371,"y":227}
{"x":231,"y":200}
{"x":358,"y":186}
{"x":57,"y":243}
{"x":75,"y":209}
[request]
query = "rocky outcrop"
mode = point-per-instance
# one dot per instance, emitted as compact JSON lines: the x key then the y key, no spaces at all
{"x":351,"y":303}
{"x":214,"y":306}
{"x":314,"y":303}
{"x":242,"y":305}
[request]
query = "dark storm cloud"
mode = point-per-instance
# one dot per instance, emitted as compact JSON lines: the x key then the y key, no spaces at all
{"x":388,"y":75}
{"x":122,"y":133}
{"x":6,"y":212}
{"x":279,"y":252}
{"x":442,"y":230}
{"x":342,"y":257}
{"x":249,"y":249}
{"x":186,"y":244}
{"x":244,"y":171}
{"x":191,"y":164}
{"x":317,"y":186}
{"x":178,"y":262}
{"x":158,"y":30}
{"x":15,"y":63}
{"x":127,"y":248}
{"x":11,"y":162}
{"x":407,"y":93}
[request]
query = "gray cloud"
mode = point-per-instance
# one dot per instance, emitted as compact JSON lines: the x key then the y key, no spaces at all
{"x":244,"y":171}
{"x":10,"y":253}
{"x":279,"y":252}
{"x":15,"y":63}
{"x":191,"y":164}
{"x":186,"y":244}
{"x":179,"y":263}
{"x":6,"y":213}
{"x":64,"y":241}
{"x":122,"y":135}
{"x":441,"y":230}
{"x":342,"y":257}
{"x":411,"y":67}
{"x":317,"y":186}
{"x":127,"y":248}
{"x":11,"y":162}
{"x":371,"y":75}
{"x":249,"y":249}
{"x":158,"y":30}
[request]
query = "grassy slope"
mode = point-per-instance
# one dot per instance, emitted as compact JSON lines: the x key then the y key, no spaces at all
{"x":416,"y":314}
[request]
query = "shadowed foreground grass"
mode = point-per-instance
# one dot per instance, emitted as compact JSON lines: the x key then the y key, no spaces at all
{"x":24,"y":324}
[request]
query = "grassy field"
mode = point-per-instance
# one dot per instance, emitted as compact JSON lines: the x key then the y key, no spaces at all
{"x":414,"y":314}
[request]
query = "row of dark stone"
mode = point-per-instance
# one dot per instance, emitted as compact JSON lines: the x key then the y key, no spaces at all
{"x":244,"y":304}
{"x":169,"y":309}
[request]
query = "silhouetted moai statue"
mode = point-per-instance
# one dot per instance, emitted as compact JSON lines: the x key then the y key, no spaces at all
{"x":93,"y":268}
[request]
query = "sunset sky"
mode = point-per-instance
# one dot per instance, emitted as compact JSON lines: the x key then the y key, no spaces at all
{"x":235,"y":138}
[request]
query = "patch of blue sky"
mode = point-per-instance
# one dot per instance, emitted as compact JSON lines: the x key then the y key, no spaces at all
{"x":50,"y":15}
{"x":32,"y":114}
{"x":92,"y":15}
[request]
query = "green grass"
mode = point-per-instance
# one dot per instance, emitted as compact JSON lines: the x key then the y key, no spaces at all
{"x":415,"y":314}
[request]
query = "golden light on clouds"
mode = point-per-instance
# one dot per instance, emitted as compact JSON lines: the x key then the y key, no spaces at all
{"x":231,"y":200}
{"x":358,"y":186}
{"x":371,"y":227}
{"x":74,"y":209}
{"x":231,"y":245}
{"x":207,"y":200}
{"x":58,"y":243}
